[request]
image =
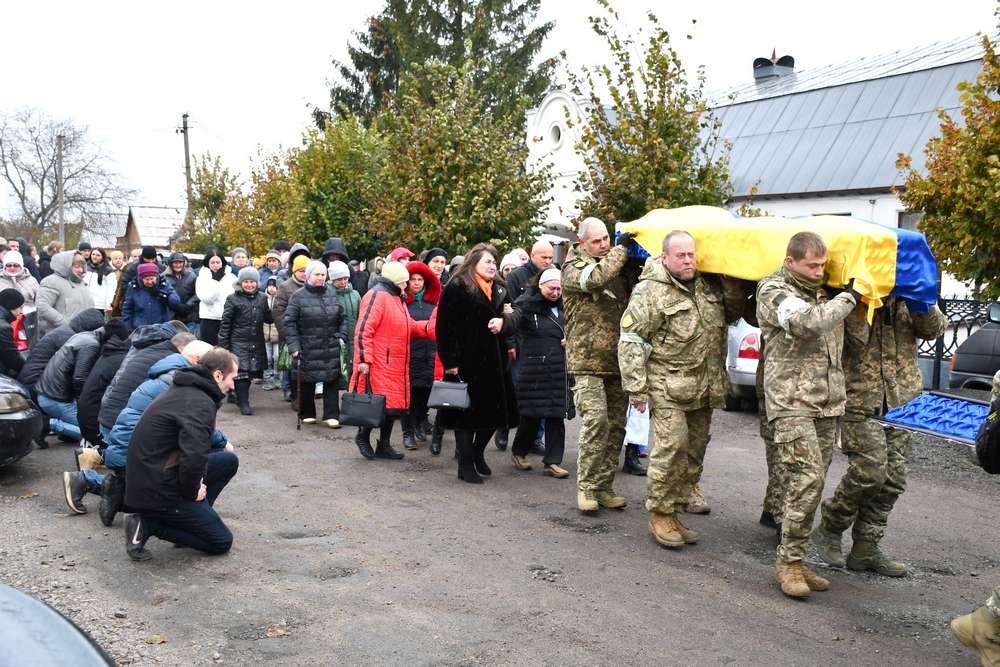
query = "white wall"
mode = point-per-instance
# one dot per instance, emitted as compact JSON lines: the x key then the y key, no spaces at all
{"x":551,"y":141}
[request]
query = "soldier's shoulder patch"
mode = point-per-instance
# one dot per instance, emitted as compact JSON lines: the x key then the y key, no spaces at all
{"x":627,"y":320}
{"x":580,"y":263}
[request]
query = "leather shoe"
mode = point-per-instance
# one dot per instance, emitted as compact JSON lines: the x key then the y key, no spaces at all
{"x":552,"y":470}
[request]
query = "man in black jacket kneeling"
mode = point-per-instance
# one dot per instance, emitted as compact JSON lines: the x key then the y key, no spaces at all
{"x":173,"y":478}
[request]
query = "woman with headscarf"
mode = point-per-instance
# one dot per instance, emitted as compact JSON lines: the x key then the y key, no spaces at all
{"x":62,"y":294}
{"x":474,"y":353}
{"x":437,"y":260}
{"x":215,"y":282}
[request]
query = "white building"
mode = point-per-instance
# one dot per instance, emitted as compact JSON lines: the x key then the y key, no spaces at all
{"x":812,"y":141}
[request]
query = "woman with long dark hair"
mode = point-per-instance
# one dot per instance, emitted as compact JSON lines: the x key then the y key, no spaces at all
{"x":214,"y":284}
{"x":470,"y":351}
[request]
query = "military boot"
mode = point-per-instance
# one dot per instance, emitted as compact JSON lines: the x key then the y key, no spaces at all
{"x":980,"y":631}
{"x":664,"y":528}
{"x":586,"y":501}
{"x":867,"y":556}
{"x":813,"y":580}
{"x":610,"y":500}
{"x":690,"y":536}
{"x":791,"y":579}
{"x":828,"y":546}
{"x":696,"y":503}
{"x":631,"y":465}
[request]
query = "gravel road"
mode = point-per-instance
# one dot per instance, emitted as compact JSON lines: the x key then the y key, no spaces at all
{"x":339,"y":560}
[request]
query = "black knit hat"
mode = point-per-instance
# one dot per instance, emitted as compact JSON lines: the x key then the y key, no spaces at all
{"x":281,"y":245}
{"x":11,"y":298}
{"x":148,"y":252}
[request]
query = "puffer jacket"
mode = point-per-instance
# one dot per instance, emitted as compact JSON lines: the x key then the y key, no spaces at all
{"x":213,"y":293}
{"x":242,"y":331}
{"x":68,"y":369}
{"x":423,"y":351}
{"x":23,"y":282}
{"x":144,"y":305}
{"x":542,"y":386}
{"x":351,"y":301}
{"x":316,"y":328}
{"x":184,"y":284}
{"x":88,"y":403}
{"x":61,"y":295}
{"x":149,"y":345}
{"x":43,"y":350}
{"x":880,"y":359}
{"x":11,"y":361}
{"x":161,"y":376}
{"x":382,"y":340}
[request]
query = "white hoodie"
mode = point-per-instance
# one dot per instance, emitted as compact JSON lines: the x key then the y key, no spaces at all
{"x":213,"y":293}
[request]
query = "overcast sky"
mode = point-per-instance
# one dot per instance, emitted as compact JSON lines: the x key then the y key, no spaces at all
{"x":247,"y":72}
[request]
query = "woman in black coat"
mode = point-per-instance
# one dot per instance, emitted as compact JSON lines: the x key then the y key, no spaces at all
{"x":542,"y":388}
{"x":241,"y":331}
{"x":316,"y":329}
{"x":472,"y":352}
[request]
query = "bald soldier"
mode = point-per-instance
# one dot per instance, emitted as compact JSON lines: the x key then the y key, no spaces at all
{"x":672,"y":354}
{"x":594,"y":297}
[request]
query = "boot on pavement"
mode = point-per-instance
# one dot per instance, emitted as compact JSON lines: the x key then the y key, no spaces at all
{"x":363,"y":441}
{"x":665,"y":530}
{"x":610,"y":500}
{"x":790,"y":577}
{"x":242,"y":392}
{"x":586,"y":501}
{"x":696,"y":503}
{"x":632,"y":465}
{"x":464,"y":447}
{"x":767,"y":519}
{"x":409,"y":436}
{"x":689,"y":536}
{"x":74,"y":488}
{"x":813,"y":580}
{"x":112,"y":498}
{"x":980,"y":631}
{"x":479,"y":458}
{"x":437,"y":437}
{"x":500,"y":438}
{"x":384,"y":448}
{"x":828,"y":546}
{"x":867,"y":556}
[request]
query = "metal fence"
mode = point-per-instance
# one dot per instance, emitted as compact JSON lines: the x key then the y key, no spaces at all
{"x":965,"y":317}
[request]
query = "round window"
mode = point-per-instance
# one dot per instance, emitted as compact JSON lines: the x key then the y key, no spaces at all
{"x":555,"y":134}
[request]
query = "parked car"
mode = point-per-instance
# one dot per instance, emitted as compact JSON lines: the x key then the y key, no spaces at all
{"x":20,"y":421}
{"x":977,"y":359}
{"x":742,"y":355}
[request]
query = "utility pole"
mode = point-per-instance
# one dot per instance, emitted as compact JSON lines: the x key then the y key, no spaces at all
{"x":59,"y":188}
{"x":187,"y":163}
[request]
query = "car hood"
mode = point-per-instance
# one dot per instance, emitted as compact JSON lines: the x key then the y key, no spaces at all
{"x":9,"y":385}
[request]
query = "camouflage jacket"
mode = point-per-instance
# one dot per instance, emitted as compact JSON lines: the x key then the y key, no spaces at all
{"x":672,"y":348}
{"x":594,"y":297}
{"x":880,"y":360}
{"x":804,"y":336}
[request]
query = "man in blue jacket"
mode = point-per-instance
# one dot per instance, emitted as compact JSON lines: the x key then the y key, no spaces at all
{"x":151,"y":299}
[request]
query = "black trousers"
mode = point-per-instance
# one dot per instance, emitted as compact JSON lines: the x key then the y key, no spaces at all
{"x":210,"y":331}
{"x":555,"y":438}
{"x":331,"y":406}
{"x":418,"y":407}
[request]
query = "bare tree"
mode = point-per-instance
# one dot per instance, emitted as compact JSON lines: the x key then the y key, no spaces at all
{"x":28,"y":165}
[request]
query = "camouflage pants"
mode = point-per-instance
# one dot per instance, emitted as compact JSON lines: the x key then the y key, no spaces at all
{"x":993,"y":603}
{"x":875,"y":478}
{"x":601,"y":404}
{"x":777,"y":474}
{"x":677,"y":459}
{"x":806,"y":449}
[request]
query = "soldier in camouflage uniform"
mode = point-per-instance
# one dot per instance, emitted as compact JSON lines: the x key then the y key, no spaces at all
{"x":777,"y":474}
{"x":594,"y":296}
{"x":880,"y":366}
{"x":980,"y":630}
{"x":672,"y":358}
{"x":804,"y":392}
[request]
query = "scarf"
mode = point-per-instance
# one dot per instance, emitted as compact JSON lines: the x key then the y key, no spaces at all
{"x":485,"y":285}
{"x":217,"y":275}
{"x":804,"y":283}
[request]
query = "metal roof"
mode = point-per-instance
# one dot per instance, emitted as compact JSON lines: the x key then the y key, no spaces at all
{"x":839,"y":127}
{"x":156,"y":224}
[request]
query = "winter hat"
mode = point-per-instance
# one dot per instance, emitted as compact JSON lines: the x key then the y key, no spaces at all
{"x":11,"y":298}
{"x":312,"y":266}
{"x":146,"y":270}
{"x":116,"y":254}
{"x":271,"y":254}
{"x":238,"y":249}
{"x":13,"y":257}
{"x":395,"y":272}
{"x":116,"y":328}
{"x":301,"y":262}
{"x":148,"y":252}
{"x":457,"y":260}
{"x":248,"y":273}
{"x":434,"y":252}
{"x":401,"y":253}
{"x":339,"y":270}
{"x":549,"y":275}
{"x":281,"y":245}
{"x":510,"y":259}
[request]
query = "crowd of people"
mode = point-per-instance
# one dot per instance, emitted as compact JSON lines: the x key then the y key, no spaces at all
{"x":609,"y":337}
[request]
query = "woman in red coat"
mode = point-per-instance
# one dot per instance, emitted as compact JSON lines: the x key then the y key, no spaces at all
{"x":382,"y":353}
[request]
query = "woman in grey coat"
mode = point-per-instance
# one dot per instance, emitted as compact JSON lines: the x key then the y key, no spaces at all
{"x":62,"y":294}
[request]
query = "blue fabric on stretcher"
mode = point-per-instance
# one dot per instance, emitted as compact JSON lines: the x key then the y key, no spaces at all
{"x":941,"y":414}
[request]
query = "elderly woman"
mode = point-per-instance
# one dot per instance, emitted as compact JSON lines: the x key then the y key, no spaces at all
{"x":542,"y":391}
{"x":382,"y":353}
{"x":473,"y":352}
{"x":315,"y":328}
{"x":15,"y":276}
{"x":62,"y":294}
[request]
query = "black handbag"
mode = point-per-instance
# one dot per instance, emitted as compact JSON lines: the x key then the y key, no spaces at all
{"x":362,"y":409}
{"x":449,"y":395}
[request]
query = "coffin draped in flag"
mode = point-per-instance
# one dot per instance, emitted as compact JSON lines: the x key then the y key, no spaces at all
{"x":883,"y":260}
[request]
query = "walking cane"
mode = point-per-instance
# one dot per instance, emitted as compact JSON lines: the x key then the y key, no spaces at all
{"x":298,"y":392}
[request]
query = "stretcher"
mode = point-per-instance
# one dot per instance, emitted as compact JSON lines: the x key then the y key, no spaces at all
{"x":953,"y":418}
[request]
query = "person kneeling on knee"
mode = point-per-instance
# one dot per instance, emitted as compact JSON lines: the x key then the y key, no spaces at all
{"x":173,"y":476}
